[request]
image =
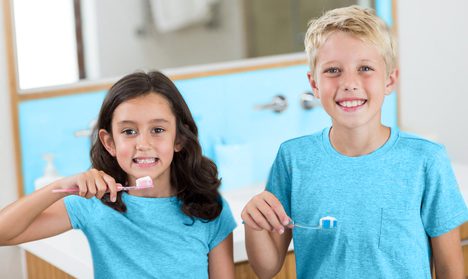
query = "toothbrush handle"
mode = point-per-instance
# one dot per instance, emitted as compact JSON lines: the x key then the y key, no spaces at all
{"x":76,"y":189}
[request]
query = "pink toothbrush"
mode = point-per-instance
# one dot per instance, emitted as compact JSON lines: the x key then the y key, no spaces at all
{"x":141,"y":183}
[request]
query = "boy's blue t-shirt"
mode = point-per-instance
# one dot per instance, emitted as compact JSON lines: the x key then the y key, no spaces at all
{"x":153,"y":239}
{"x":387,"y":204}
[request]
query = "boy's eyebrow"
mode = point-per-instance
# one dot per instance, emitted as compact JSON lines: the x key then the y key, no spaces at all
{"x":338,"y":62}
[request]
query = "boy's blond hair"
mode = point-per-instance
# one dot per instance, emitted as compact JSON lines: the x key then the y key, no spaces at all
{"x":357,"y":21}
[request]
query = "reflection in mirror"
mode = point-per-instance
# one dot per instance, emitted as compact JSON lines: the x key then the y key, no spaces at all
{"x":63,"y":41}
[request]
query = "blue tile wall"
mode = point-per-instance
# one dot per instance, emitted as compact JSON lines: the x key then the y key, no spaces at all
{"x":242,"y":141}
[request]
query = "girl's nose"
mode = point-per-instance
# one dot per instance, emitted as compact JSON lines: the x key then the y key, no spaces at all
{"x":142,"y":143}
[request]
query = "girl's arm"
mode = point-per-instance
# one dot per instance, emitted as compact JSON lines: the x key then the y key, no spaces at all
{"x":220,"y":260}
{"x":43,"y":214}
{"x":267,"y":236}
{"x":448,"y":256}
{"x":36,"y":216}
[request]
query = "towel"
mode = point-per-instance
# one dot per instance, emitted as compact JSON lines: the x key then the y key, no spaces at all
{"x":172,"y":15}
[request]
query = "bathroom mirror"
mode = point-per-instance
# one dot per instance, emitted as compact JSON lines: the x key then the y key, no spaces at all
{"x":60,"y":42}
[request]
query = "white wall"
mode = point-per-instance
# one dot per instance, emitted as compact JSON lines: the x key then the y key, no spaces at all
{"x":434,"y":71}
{"x":10,"y":260}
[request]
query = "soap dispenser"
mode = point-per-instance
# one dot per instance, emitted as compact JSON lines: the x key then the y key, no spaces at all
{"x":50,"y":173}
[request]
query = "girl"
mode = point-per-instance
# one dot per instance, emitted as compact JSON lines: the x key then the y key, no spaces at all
{"x":179,"y":228}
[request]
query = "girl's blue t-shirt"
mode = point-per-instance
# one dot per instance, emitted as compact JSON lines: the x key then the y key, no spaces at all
{"x":153,"y":239}
{"x":388,"y":204}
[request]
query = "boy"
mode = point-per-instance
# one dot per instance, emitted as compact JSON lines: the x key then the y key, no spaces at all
{"x":382,"y":202}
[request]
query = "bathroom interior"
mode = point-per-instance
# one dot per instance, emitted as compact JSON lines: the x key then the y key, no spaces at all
{"x":241,"y":67}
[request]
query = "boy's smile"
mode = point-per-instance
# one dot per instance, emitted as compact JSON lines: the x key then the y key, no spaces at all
{"x":350,"y":104}
{"x":351,"y":80}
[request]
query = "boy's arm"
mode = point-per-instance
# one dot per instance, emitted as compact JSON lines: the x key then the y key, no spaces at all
{"x":448,"y":256}
{"x":266,"y":250}
{"x":220,"y":260}
{"x":266,"y":236}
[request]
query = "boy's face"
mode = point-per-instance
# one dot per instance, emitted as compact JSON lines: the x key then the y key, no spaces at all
{"x":351,"y":81}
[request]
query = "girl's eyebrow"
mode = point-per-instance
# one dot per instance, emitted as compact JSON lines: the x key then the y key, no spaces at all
{"x":156,"y":120}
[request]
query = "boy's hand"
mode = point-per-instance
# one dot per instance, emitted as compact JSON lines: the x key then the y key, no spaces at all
{"x":265,"y":212}
{"x":93,"y":183}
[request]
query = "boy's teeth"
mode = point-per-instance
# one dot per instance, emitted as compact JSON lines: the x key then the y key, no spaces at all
{"x":350,"y":104}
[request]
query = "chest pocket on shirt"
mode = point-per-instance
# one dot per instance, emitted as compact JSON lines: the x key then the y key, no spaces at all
{"x":399,"y":232}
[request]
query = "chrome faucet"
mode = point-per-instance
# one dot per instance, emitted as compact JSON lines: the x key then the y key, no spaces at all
{"x":278,"y":104}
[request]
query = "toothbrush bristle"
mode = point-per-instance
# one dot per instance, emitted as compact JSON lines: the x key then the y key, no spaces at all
{"x":144,"y":182}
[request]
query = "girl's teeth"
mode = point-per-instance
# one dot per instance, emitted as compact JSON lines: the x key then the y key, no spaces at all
{"x":145,"y":161}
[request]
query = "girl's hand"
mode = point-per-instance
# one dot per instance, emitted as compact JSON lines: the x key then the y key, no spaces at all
{"x":93,"y":183}
{"x":265,"y":212}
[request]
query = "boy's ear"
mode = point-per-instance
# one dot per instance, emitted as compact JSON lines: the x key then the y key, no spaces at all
{"x":313,"y":85}
{"x":391,"y":82}
{"x":107,"y":140}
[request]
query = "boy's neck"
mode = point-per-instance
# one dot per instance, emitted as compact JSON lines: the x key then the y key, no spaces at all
{"x":358,"y":141}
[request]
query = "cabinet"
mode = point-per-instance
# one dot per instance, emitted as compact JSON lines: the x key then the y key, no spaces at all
{"x":40,"y":269}
{"x":244,"y":271}
{"x":464,"y":236}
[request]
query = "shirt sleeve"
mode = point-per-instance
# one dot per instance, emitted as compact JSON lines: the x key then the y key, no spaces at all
{"x":79,"y":210}
{"x":279,"y":182}
{"x":222,"y":226}
{"x":443,"y":207}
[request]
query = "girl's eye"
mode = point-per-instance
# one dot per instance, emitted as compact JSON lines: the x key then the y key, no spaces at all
{"x":129,"y":132}
{"x":365,"y":69}
{"x":158,"y":130}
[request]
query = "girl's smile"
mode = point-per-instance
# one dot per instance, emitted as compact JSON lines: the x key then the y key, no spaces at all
{"x":146,"y":162}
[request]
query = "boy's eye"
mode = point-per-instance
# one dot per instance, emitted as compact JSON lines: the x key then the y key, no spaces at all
{"x":365,"y":69}
{"x":129,"y":132}
{"x":332,"y":70}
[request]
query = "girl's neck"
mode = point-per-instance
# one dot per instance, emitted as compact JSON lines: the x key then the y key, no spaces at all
{"x":358,"y":141}
{"x":162,"y":189}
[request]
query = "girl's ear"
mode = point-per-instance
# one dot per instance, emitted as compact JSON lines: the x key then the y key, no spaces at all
{"x":107,"y":140}
{"x":178,"y":145}
{"x":313,"y":85}
{"x":391,"y":82}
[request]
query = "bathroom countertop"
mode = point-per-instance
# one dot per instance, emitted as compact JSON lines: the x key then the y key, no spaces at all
{"x":461,"y":172}
{"x":70,"y":251}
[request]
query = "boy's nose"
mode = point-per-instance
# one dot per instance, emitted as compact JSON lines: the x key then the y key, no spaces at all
{"x":350,"y":82}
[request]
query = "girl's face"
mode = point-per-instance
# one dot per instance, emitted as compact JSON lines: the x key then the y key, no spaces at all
{"x":351,"y":81}
{"x":143,"y":138}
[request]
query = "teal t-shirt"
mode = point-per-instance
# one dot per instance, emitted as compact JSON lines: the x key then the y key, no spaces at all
{"x":153,"y":239}
{"x":387,"y":205}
